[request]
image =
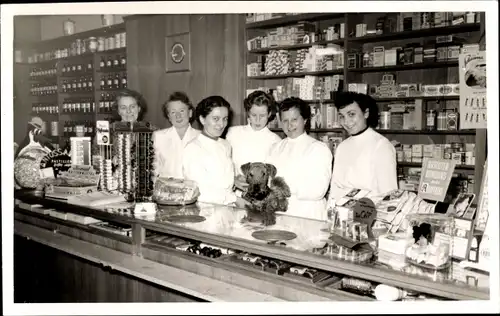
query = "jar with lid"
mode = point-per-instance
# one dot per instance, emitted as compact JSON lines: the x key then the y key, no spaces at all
{"x":431,"y":120}
{"x":432,"y":240}
{"x":366,"y":59}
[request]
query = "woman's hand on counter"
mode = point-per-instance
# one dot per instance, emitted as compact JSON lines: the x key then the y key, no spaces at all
{"x":240,"y":182}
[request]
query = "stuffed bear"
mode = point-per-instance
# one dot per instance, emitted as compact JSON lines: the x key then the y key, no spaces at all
{"x":266,"y":193}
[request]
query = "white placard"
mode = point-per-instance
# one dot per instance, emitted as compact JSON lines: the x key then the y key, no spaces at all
{"x":472,"y":73}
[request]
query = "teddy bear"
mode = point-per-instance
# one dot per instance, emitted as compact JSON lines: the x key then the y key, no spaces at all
{"x":266,"y":193}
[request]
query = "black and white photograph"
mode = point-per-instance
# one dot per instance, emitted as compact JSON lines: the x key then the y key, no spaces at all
{"x":167,"y":152}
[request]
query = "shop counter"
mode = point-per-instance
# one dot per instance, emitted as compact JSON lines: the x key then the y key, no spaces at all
{"x":231,"y":262}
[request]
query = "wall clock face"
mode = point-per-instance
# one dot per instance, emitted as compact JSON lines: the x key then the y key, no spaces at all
{"x":177,"y":53}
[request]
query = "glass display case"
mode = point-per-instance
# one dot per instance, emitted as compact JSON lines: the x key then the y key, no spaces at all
{"x":293,"y":245}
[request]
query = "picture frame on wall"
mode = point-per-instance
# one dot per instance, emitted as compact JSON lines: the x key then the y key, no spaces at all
{"x":178,"y":52}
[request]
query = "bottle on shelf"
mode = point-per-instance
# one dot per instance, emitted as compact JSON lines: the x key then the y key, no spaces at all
{"x":116,"y":62}
{"x":123,"y":61}
{"x":73,"y":68}
{"x":73,"y":85}
{"x":90,"y":66}
{"x":101,"y":103}
{"x":116,"y":81}
{"x":63,"y":86}
{"x":103,"y":83}
{"x":124,"y":81}
{"x":102,"y":63}
{"x":109,"y":62}
{"x":79,"y":84}
{"x":107,"y":105}
{"x":79,"y":68}
{"x":109,"y":82}
{"x":90,"y":83}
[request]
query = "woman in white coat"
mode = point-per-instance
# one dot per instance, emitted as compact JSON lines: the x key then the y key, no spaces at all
{"x":169,"y":143}
{"x":365,"y":160}
{"x":251,"y":142}
{"x":207,"y":158}
{"x":304,"y":162}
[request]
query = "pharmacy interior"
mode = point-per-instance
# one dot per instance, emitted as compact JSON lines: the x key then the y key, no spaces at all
{"x":107,"y":228}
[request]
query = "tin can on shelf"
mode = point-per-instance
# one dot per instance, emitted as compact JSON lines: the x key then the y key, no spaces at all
{"x":68,"y":27}
{"x":101,"y":44}
{"x":118,"y":42}
{"x":385,"y":120}
{"x":111,"y":42}
{"x":54,"y":128}
{"x":441,"y":121}
{"x":451,"y":120}
{"x":79,"y":45}
{"x":123,"y":39}
{"x":447,"y":153}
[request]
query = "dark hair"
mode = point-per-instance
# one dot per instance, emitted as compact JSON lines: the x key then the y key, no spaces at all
{"x":343,"y":99}
{"x":178,"y":96}
{"x":301,"y":105}
{"x":141,"y":102}
{"x":261,"y":98}
{"x":208,"y":104}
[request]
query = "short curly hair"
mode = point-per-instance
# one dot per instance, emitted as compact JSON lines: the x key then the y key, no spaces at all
{"x":343,"y":99}
{"x":261,"y":98}
{"x":301,"y":105}
{"x":182,"y":97}
{"x":206,"y":106}
{"x":139,"y":98}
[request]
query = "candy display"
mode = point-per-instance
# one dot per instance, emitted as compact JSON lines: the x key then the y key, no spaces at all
{"x":27,"y":167}
{"x":175,"y":191}
{"x":135,"y":160}
{"x":432,"y":245}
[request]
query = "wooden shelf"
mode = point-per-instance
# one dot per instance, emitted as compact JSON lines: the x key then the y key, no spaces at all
{"x":291,"y":19}
{"x":417,"y":164}
{"x":64,"y":40}
{"x":426,"y":132}
{"x":315,"y":130}
{"x":264,"y":50}
{"x":299,"y":74}
{"x":433,"y":65}
{"x":120,"y":50}
{"x":426,"y":98}
{"x":111,"y":70}
{"x":435,"y":31}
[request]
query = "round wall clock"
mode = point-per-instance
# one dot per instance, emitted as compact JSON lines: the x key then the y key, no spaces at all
{"x":177,"y":53}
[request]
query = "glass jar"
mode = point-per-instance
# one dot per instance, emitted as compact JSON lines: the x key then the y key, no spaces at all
{"x":432,"y":234}
{"x":101,"y":43}
{"x":93,"y":44}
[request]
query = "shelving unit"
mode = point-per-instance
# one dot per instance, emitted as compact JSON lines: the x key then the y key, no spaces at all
{"x":413,"y":72}
{"x":78,"y":96}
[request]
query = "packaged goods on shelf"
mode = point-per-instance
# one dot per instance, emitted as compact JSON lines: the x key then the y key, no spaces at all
{"x":277,"y":63}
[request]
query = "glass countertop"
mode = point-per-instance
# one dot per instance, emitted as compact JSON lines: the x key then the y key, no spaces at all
{"x":312,"y":237}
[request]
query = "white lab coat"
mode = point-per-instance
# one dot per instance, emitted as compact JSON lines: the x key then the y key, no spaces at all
{"x":208,"y":163}
{"x":169,"y":150}
{"x":366,"y":161}
{"x":250,"y":145}
{"x":306,"y":165}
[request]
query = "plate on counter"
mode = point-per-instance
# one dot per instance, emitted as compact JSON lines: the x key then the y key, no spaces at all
{"x":185,"y":219}
{"x":274,"y":235}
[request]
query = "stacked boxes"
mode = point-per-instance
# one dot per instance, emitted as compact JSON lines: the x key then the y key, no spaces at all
{"x":464,"y":154}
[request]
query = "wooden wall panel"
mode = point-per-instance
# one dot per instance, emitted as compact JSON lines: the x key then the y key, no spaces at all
{"x":216,"y":60}
{"x":56,"y":277}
